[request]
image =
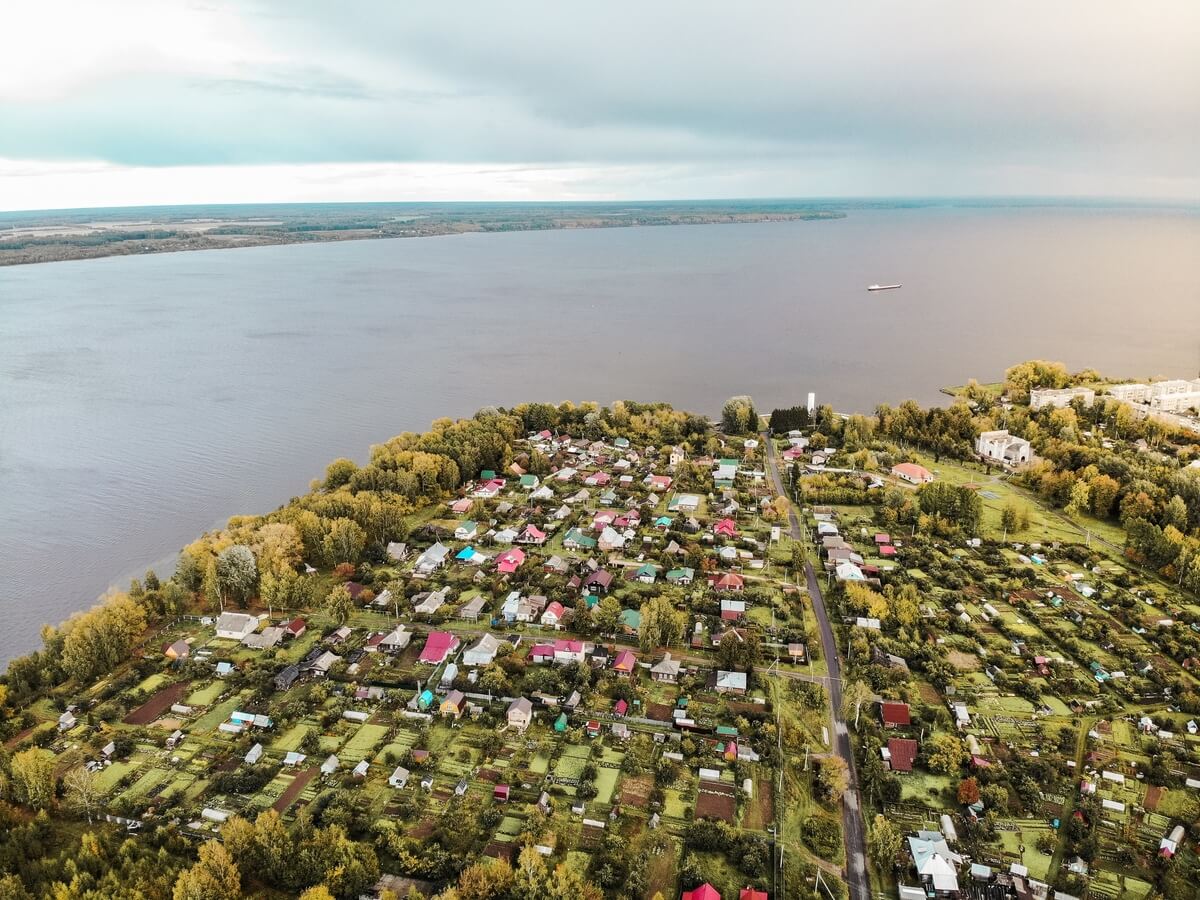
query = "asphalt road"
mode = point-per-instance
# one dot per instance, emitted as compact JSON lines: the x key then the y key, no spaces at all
{"x":852,"y":821}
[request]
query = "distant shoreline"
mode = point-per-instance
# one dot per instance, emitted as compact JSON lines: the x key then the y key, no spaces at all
{"x":64,"y":237}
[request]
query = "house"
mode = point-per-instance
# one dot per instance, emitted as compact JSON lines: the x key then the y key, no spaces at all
{"x":748,"y":893}
{"x":1002,"y":447}
{"x":466,"y":531}
{"x":483,"y":652}
{"x":666,"y":669}
{"x":894,"y":714}
{"x":254,"y":755}
{"x":265,"y":639}
{"x":705,"y":892}
{"x":531,"y":534}
{"x":293,"y":758}
{"x":471,"y":610}
{"x":529,"y":482}
{"x":331,"y":764}
{"x":1169,"y":845}
{"x":516,"y":608}
{"x":912,"y":473}
{"x":429,"y":602}
{"x":797,"y":652}
{"x":556,"y":565}
{"x":66,"y":721}
{"x":320,"y":666}
{"x":489,"y":489}
{"x":286,"y":678}
{"x":681,"y":576}
{"x":471,"y":557}
{"x":178,"y":650}
{"x":500,"y":793}
{"x":730,"y":682}
{"x":224,"y":668}
{"x":553,"y":616}
{"x":462,"y":505}
{"x":620,"y":707}
{"x":454,"y":704}
{"x":631,"y":621}
{"x":899,"y":754}
{"x":438,"y":646}
{"x":510,"y":561}
{"x":577,"y":540}
{"x":599,"y":581}
{"x":520,"y":713}
{"x":730,"y":581}
{"x":597,"y":479}
{"x":295,"y":628}
{"x":725,"y":528}
{"x":625,"y":663}
{"x":394,"y":641}
{"x":610,"y":539}
{"x":732,"y":610}
{"x":341,"y":635}
{"x":936,"y":864}
{"x":431,"y":560}
{"x":399,"y":777}
{"x":235,"y":626}
{"x":397,"y":551}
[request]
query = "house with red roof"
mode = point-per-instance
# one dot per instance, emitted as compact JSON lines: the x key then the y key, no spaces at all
{"x":894,"y":714}
{"x":730,"y":581}
{"x":541,"y":653}
{"x":598,"y":479}
{"x":620,"y":708}
{"x":747,"y":893}
{"x":438,"y":646}
{"x":532,"y":535}
{"x":912,"y":473}
{"x":553,"y":616}
{"x":489,"y":489}
{"x":900,"y":753}
{"x":705,"y":892}
{"x":510,"y":561}
{"x":625,"y":663}
{"x":658,"y":482}
{"x":725,"y":528}
{"x":567,"y":652}
{"x":295,"y":628}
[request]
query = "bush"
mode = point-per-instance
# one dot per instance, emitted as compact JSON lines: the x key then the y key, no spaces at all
{"x":823,"y":836}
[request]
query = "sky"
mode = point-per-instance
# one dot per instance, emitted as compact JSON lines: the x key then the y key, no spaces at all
{"x":135,"y":102}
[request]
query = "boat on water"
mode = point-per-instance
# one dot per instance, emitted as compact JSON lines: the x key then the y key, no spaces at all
{"x":883,"y":287}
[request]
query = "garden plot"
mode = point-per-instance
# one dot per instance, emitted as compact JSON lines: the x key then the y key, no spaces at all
{"x":146,"y":785}
{"x":363,"y":743}
{"x":206,"y":695}
{"x":291,"y":739}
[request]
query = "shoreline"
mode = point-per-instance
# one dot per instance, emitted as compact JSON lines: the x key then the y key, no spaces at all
{"x":172,"y":238}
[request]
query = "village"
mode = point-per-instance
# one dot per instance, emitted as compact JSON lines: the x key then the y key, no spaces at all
{"x":618,"y":654}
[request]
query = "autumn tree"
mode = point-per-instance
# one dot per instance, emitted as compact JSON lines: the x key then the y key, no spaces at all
{"x":33,"y":777}
{"x":344,"y":542}
{"x":213,"y":877}
{"x":833,"y":777}
{"x":968,"y":791}
{"x":944,"y":754}
{"x":278,"y":547}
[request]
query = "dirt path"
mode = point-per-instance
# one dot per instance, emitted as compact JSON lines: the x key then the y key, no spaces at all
{"x":299,"y":783}
{"x":157,"y":705}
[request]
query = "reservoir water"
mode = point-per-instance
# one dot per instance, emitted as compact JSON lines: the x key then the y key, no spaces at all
{"x":146,"y":399}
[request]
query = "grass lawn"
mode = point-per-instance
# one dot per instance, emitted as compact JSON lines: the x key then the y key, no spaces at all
{"x":364,"y":742}
{"x":206,"y":695}
{"x":152,"y":684}
{"x":208,"y":722}
{"x":290,"y":739}
{"x":108,"y":777}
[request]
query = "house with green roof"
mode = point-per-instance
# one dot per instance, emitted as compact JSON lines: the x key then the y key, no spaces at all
{"x":631,"y":620}
{"x":647,"y":573}
{"x":577,"y":540}
{"x":529,"y":482}
{"x":681,"y":576}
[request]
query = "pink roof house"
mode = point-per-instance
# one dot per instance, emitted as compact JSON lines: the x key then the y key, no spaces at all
{"x":511,"y":561}
{"x":553,"y":615}
{"x":625,"y":662}
{"x":726,"y":527}
{"x":532,"y":535}
{"x":438,"y":645}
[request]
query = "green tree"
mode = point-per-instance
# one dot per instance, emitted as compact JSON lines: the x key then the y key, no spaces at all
{"x":344,"y":542}
{"x":833,"y":777}
{"x":237,"y":572}
{"x":883,"y":843}
{"x":606,"y":615}
{"x":944,"y":754}
{"x":339,"y":603}
{"x":662,"y":624}
{"x":738,"y":416}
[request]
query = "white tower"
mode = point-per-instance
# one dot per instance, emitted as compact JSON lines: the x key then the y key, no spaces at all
{"x":812,"y":403}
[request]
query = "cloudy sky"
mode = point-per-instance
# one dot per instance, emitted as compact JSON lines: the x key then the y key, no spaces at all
{"x":170,"y":101}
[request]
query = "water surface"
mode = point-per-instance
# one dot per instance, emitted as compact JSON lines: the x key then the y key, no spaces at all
{"x":146,"y":399}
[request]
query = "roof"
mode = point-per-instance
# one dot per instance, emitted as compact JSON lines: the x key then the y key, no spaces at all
{"x":521,"y":705}
{"x":705,"y":892}
{"x":911,"y":470}
{"x":894,"y":712}
{"x":625,"y":661}
{"x":902,"y":752}
{"x":437,"y":645}
{"x":751,"y":894}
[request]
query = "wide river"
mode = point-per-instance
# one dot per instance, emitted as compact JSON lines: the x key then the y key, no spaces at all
{"x":146,"y":399}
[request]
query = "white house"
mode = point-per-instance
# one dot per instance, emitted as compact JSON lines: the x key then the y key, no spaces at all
{"x":399,"y":777}
{"x":483,"y":652}
{"x":236,"y":626}
{"x":1002,"y":447}
{"x":432,"y":559}
{"x":520,"y":713}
